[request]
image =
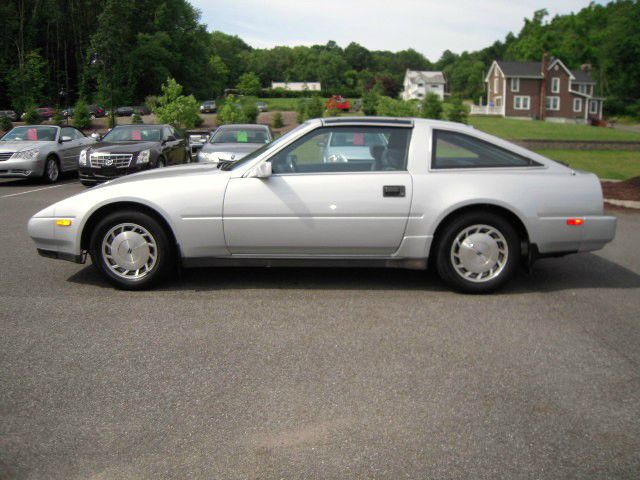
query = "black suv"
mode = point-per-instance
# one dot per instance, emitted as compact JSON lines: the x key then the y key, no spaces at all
{"x":132,"y":148}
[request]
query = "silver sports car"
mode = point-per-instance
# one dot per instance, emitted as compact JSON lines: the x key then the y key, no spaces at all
{"x":473,"y":204}
{"x":41,"y":151}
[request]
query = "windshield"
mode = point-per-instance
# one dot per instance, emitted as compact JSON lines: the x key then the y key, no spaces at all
{"x":240,"y":135}
{"x":29,"y":134}
{"x":139,"y":133}
{"x":256,"y":153}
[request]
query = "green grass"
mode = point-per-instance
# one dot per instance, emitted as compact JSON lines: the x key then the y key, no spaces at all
{"x":612,"y":164}
{"x":510,"y":129}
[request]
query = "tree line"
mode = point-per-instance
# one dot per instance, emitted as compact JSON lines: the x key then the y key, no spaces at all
{"x":121,"y":51}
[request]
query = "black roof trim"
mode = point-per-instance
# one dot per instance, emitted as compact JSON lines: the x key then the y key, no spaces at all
{"x":405,"y":122}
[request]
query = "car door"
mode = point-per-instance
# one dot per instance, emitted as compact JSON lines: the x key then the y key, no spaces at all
{"x":70,"y":147}
{"x":309,"y":207}
{"x":169,"y":146}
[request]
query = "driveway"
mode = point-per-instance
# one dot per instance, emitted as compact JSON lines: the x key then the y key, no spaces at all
{"x":319,"y":373}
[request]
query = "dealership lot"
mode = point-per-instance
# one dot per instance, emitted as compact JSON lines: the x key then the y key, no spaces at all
{"x":292,"y":373}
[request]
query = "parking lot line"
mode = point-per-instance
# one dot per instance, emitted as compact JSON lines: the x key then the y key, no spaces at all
{"x":35,"y":190}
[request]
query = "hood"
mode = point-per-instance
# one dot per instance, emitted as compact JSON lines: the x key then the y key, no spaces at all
{"x":22,"y":145}
{"x":238,"y":148}
{"x":177,"y":172}
{"x":122,"y":147}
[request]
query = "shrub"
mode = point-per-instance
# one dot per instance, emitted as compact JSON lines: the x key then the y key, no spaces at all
{"x":249,"y":110}
{"x":199,"y":121}
{"x":32,"y":117}
{"x":5,"y":124}
{"x":151,"y":102}
{"x":81,"y":115}
{"x":231,"y":112}
{"x":370,"y":102}
{"x":179,"y":110}
{"x":432,"y":106}
{"x":314,"y":108}
{"x":57,"y":119}
{"x":301,"y":109}
{"x":458,"y":111}
{"x":136,"y":119}
{"x":249,"y":84}
{"x":333,"y":112}
{"x":389,"y":107}
{"x":278,"y":121}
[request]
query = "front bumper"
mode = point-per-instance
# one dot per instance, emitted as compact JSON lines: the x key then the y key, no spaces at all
{"x":100,"y":175}
{"x":54,"y":241}
{"x":21,"y":168}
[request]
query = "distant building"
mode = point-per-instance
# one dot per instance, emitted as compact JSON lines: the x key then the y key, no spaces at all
{"x":418,"y":83}
{"x":545,"y":90}
{"x":297,"y":86}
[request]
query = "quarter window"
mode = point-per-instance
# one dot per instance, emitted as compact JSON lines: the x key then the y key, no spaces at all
{"x":457,"y":150}
{"x":345,"y":149}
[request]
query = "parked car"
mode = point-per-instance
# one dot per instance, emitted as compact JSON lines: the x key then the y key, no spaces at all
{"x":42,"y":151}
{"x":229,"y":143}
{"x":208,"y":107}
{"x":197,"y":139}
{"x":132,"y":148}
{"x":262,"y":107}
{"x":10,"y":114}
{"x":124,"y":111}
{"x":45,"y":113}
{"x":94,"y":110}
{"x":473,"y":204}
{"x":142,"y":110}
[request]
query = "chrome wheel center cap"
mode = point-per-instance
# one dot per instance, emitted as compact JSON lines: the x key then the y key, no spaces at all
{"x":130,"y":250}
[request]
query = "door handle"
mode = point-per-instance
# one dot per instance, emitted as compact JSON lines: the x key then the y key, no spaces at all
{"x":393,"y":191}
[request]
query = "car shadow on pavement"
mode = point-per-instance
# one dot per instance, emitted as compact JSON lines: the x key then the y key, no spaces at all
{"x":572,"y":272}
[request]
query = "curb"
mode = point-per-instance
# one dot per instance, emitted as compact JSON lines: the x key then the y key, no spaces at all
{"x":623,"y":203}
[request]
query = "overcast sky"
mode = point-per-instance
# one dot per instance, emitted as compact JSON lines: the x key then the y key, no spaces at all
{"x":428,"y":26}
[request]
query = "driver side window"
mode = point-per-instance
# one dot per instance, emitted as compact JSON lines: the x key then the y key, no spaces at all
{"x":345,"y":149}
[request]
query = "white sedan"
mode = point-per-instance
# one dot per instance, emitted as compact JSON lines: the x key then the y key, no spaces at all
{"x":474,"y":205}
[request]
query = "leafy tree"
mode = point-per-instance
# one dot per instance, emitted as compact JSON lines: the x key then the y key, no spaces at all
{"x":249,"y":84}
{"x":136,"y":119}
{"x":249,"y":109}
{"x":219,"y":75}
{"x":277,"y":122}
{"x":27,"y":81}
{"x":57,"y":119}
{"x":315,"y":107}
{"x":458,"y":111}
{"x":31,"y":116}
{"x":432,"y":106}
{"x":370,"y":101}
{"x":179,"y":110}
{"x":81,"y":115}
{"x":231,"y":112}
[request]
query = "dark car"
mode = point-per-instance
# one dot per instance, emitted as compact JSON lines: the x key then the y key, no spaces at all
{"x":132,"y":148}
{"x":124,"y":111}
{"x":94,"y":110}
{"x":44,"y":112}
{"x":208,"y":106}
{"x":10,"y":114}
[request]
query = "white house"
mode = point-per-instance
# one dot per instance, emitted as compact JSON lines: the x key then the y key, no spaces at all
{"x":297,"y":86}
{"x":418,"y":83}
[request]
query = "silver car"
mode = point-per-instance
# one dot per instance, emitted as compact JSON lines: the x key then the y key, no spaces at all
{"x":42,"y":151}
{"x":474,"y":205}
{"x":229,"y":143}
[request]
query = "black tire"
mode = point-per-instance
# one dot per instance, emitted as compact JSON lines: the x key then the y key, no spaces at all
{"x":52,"y":171}
{"x":87,"y":184}
{"x":161,"y":162}
{"x":165,"y":261}
{"x":449,"y":273}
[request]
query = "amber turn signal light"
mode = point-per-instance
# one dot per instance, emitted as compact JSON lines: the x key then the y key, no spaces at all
{"x":64,"y":222}
{"x":575,"y":222}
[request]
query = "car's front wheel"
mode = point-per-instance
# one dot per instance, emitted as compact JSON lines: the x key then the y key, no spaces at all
{"x":132,"y":249}
{"x":477,"y":252}
{"x":51,"y":170}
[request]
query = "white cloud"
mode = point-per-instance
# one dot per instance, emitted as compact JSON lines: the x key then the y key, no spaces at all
{"x":428,"y":26}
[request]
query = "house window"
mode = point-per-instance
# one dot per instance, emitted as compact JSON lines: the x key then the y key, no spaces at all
{"x":521,"y":102}
{"x":593,"y":107}
{"x":582,"y":89}
{"x":553,"y":103}
{"x":555,"y":85}
{"x":577,"y":104}
{"x":421,"y":84}
{"x":515,"y":84}
{"x":435,"y":86}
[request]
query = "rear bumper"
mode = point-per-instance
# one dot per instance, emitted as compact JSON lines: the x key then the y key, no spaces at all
{"x":554,"y":235}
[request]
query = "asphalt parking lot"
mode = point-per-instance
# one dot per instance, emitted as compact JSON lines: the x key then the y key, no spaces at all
{"x":327,"y":373}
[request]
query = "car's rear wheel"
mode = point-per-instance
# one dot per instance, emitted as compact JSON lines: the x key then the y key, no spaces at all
{"x":132,"y":249}
{"x":161,"y":163}
{"x":477,"y":252}
{"x":51,"y":170}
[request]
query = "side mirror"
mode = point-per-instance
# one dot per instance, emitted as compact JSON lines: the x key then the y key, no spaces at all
{"x":261,"y":171}
{"x":65,"y":138}
{"x":96,"y":136}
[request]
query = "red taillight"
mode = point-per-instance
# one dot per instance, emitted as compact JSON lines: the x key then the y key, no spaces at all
{"x":575,"y":222}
